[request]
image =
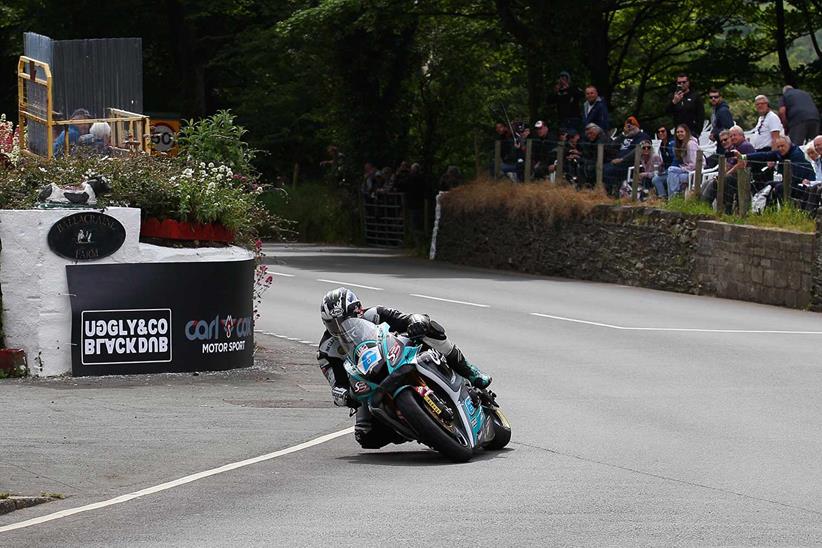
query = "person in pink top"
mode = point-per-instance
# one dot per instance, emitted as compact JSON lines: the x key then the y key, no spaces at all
{"x":685,"y":149}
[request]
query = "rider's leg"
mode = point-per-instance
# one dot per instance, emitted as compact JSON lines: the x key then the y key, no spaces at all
{"x":371,"y":434}
{"x":436,"y":339}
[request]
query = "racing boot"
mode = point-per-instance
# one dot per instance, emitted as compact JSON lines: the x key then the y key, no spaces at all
{"x":458,"y":363}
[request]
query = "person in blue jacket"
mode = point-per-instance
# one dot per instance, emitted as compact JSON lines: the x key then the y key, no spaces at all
{"x":594,"y":109}
{"x":783,"y":150}
{"x":75,"y":131}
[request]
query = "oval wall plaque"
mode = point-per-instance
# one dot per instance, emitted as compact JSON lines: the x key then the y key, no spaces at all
{"x":86,"y":236}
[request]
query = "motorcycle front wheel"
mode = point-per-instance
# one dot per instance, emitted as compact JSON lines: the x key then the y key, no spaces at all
{"x":431,"y":432}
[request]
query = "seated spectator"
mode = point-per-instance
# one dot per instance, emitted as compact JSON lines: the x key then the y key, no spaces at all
{"x":594,"y":136}
{"x":100,"y":137}
{"x":508,"y":147}
{"x":615,"y":171}
{"x":542,"y":150}
{"x":813,"y":187}
{"x":594,"y":109}
{"x":75,"y":131}
{"x":650,"y":164}
{"x":783,"y":150}
{"x":685,"y":149}
{"x":734,"y":139}
{"x":573,"y":158}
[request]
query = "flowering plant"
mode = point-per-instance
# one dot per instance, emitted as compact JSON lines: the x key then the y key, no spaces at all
{"x":9,"y":143}
{"x":262,"y":278}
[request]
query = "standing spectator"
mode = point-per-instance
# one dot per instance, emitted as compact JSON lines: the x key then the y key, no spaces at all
{"x":451,"y":179}
{"x":799,"y":114}
{"x":567,"y":99}
{"x":721,"y":119}
{"x":615,"y":171}
{"x":594,"y":136}
{"x":768,"y":127}
{"x":594,"y":109}
{"x":573,"y":158}
{"x":369,"y":180}
{"x":685,"y":149}
{"x":686,"y":106}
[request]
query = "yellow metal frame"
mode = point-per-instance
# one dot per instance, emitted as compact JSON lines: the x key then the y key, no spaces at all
{"x":117,"y":118}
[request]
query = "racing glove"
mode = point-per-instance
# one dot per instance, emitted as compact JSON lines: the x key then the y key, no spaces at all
{"x":417,"y":326}
{"x":343,"y":398}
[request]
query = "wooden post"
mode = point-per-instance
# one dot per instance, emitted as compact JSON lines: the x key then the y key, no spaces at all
{"x":559,"y":176}
{"x":295,"y":175}
{"x":637,"y":165}
{"x":700,"y":159}
{"x":477,"y":155}
{"x":600,"y":161}
{"x":497,"y":159}
{"x":787,"y":179}
{"x":743,"y":189}
{"x":529,"y":146}
{"x":720,"y":184}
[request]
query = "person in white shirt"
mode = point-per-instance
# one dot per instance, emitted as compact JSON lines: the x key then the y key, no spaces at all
{"x":768,"y":126}
{"x":813,"y":189}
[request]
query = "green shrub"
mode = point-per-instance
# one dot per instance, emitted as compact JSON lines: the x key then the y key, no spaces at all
{"x":218,"y":140}
{"x":318,"y":212}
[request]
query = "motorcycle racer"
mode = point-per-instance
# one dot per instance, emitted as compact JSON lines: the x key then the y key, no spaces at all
{"x":342,"y":303}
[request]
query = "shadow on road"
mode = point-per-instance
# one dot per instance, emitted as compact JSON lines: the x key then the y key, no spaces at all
{"x":418,"y":457}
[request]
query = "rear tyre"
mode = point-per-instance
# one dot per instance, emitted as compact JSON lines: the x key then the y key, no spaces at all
{"x":502,"y":430}
{"x":430,"y":431}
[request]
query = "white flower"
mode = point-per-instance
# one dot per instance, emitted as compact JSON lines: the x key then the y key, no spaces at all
{"x":211,"y":165}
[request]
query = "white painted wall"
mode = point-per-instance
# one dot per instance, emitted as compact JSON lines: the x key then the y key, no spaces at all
{"x":36,"y":306}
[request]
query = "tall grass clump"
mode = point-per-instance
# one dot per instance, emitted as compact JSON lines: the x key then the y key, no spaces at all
{"x":529,"y":201}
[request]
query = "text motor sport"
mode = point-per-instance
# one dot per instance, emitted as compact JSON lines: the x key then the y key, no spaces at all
{"x":220,"y":334}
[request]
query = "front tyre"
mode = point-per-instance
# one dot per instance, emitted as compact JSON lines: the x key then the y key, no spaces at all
{"x":502,"y":429}
{"x":431,"y":433}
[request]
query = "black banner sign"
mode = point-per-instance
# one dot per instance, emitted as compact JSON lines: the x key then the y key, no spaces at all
{"x":86,"y":236}
{"x":161,"y":317}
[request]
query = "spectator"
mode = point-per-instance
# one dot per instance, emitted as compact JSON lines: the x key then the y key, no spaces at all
{"x":386,"y":176}
{"x":768,"y":127}
{"x":686,"y":106}
{"x":721,"y":119}
{"x":369,"y":181}
{"x":542,"y":150}
{"x":783,"y":150}
{"x":451,"y":179}
{"x":567,"y":99}
{"x":509,"y":150}
{"x":732,"y":140}
{"x":573,"y":158}
{"x":799,"y":114}
{"x":685,"y":149}
{"x":594,"y":136}
{"x":100,"y":133}
{"x":666,"y":153}
{"x":813,"y":187}
{"x":594,"y":110}
{"x":615,"y":171}
{"x":650,"y":164}
{"x":75,"y":131}
{"x":334,"y":166}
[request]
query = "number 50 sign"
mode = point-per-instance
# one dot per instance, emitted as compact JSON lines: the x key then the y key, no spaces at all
{"x":164,"y":135}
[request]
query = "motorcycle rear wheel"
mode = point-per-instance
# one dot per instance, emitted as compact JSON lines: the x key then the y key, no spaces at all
{"x":430,"y":431}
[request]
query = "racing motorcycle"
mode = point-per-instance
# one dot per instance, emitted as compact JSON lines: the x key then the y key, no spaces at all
{"x":412,"y":389}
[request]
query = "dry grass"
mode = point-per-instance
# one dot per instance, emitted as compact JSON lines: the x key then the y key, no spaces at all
{"x":538,"y":200}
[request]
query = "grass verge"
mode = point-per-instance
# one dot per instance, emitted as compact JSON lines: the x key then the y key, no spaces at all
{"x":786,"y":217}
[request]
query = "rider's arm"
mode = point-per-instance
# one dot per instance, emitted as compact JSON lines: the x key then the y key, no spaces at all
{"x":396,"y":320}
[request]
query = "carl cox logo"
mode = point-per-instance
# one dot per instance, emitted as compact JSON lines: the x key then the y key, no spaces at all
{"x":221,"y":334}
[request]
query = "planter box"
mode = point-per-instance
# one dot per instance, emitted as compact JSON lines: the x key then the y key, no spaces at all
{"x":170,"y":229}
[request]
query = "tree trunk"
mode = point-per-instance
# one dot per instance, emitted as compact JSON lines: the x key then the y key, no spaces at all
{"x":781,"y":46}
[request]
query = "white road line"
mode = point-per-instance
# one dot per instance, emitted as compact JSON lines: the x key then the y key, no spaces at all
{"x":683,"y":329}
{"x":279,"y":274}
{"x":448,"y":300}
{"x":306,"y":342}
{"x":349,"y":283}
{"x":174,"y":483}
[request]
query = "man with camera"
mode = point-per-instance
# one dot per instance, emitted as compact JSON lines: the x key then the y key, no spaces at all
{"x":686,"y":106}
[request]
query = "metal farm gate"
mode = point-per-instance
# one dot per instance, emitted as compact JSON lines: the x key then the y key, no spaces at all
{"x":384,"y":219}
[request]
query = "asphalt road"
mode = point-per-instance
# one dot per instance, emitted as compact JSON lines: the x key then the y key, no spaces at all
{"x":640,"y":418}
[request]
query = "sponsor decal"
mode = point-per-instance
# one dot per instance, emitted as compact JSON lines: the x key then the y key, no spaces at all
{"x":125,"y":336}
{"x":360,"y":387}
{"x":394,"y":353}
{"x":222,"y":333}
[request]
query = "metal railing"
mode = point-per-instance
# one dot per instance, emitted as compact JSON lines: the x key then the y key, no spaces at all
{"x":383,"y":219}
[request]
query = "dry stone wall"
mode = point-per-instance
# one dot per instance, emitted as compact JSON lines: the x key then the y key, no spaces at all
{"x":644,"y":247}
